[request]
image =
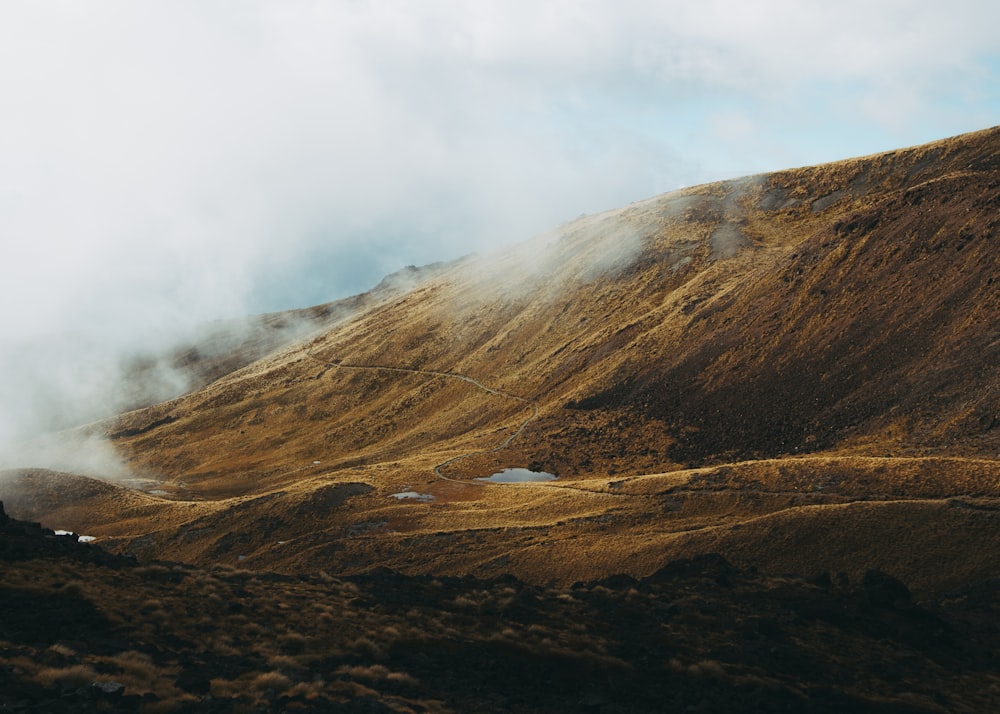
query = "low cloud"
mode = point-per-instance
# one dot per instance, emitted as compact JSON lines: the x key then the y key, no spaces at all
{"x":167,"y":164}
{"x":72,"y":451}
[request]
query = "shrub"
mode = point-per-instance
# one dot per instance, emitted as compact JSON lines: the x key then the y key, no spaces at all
{"x":275,"y":681}
{"x":77,"y":675}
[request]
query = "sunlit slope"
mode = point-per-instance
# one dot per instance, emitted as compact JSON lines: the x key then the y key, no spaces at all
{"x":847,"y":310}
{"x":933,"y":521}
{"x":849,"y":304}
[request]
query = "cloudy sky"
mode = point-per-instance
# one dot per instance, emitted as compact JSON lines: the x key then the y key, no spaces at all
{"x":168,"y":162}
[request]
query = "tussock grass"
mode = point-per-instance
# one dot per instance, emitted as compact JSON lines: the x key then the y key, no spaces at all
{"x":73,"y":676}
{"x":376,"y":672}
{"x":275,"y":681}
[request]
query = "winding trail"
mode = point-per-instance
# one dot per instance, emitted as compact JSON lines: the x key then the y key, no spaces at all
{"x":449,"y":375}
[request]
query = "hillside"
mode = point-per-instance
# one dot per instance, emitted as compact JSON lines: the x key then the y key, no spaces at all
{"x":799,"y":370}
{"x":218,"y":348}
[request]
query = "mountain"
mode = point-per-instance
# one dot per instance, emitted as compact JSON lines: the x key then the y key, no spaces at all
{"x":798,"y":370}
{"x":224,"y":346}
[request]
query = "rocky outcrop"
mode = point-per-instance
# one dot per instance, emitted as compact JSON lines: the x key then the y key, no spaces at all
{"x":26,"y":540}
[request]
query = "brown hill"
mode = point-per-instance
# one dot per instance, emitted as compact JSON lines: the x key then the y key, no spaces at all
{"x":809,"y":361}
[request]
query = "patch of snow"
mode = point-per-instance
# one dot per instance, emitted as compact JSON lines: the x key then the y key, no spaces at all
{"x":80,"y":539}
{"x":413,"y":496}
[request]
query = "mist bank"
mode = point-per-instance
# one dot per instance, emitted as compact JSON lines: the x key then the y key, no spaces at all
{"x":53,"y":389}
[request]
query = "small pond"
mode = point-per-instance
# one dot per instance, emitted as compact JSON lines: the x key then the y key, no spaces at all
{"x":518,"y":476}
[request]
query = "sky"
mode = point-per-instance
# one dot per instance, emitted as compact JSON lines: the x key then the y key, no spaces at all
{"x":167,"y":163}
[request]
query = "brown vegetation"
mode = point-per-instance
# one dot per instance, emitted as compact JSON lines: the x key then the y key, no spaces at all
{"x":800,"y":371}
{"x":83,"y":632}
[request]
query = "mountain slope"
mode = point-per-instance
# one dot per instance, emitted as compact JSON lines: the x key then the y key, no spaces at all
{"x":846,"y":311}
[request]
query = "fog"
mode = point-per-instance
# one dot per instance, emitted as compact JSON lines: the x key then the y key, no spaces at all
{"x":166,"y":164}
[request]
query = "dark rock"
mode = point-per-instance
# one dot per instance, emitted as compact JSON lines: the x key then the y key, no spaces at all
{"x":109,"y":691}
{"x":24,"y":540}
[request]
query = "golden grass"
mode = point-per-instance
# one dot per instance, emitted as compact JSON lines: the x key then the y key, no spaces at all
{"x":73,"y":676}
{"x":822,"y":400}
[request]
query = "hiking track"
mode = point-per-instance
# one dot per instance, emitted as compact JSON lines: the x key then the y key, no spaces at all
{"x":448,"y":375}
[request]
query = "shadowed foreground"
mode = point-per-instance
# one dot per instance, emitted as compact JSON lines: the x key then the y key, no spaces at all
{"x":87,"y":631}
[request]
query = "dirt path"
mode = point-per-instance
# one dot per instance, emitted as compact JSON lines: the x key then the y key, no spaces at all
{"x":449,"y":375}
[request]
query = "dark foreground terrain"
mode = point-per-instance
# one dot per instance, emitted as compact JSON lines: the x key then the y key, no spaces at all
{"x":82,"y":630}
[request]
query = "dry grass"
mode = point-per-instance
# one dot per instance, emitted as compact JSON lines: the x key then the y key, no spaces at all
{"x":412,"y":643}
{"x":823,"y":401}
{"x":73,"y":676}
{"x":376,"y":672}
{"x":274,"y":681}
